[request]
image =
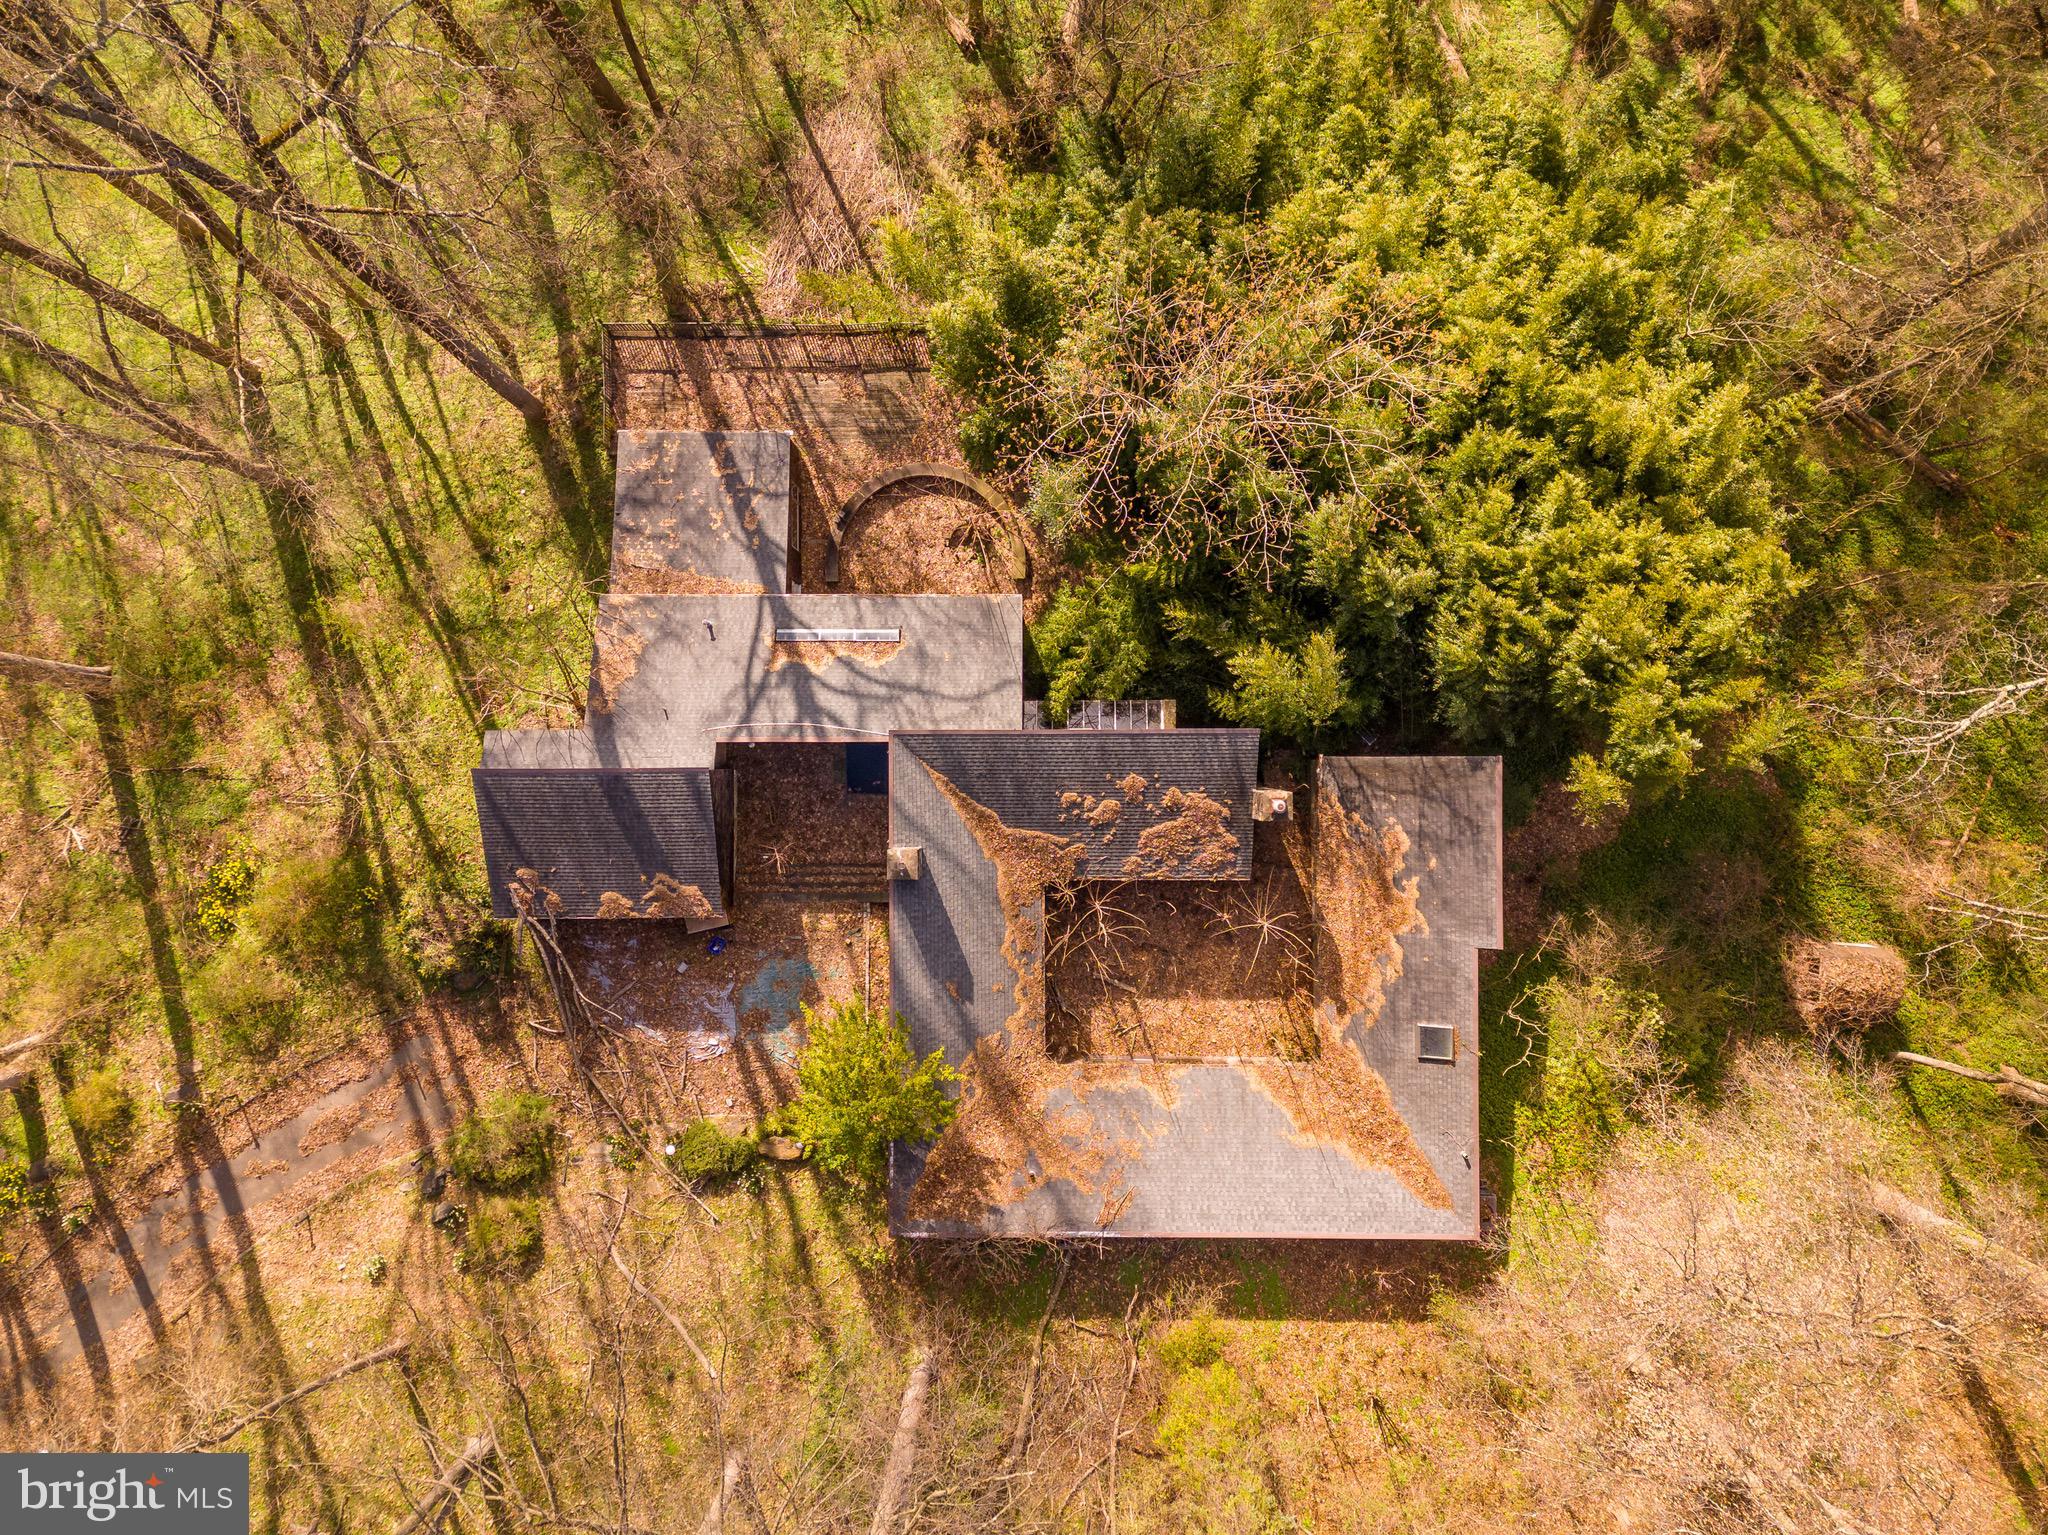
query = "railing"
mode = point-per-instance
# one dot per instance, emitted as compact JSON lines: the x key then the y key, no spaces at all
{"x":855,"y":348}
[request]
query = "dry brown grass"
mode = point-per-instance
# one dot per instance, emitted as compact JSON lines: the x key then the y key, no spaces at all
{"x":1719,"y":1338}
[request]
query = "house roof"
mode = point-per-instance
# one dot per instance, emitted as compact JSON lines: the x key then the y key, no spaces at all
{"x":1223,"y":1147}
{"x":606,"y":842}
{"x":567,"y":748}
{"x":1142,"y":804}
{"x":675,"y":675}
{"x":702,"y":512}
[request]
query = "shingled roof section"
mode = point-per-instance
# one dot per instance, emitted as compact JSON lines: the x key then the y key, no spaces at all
{"x":1449,"y":810}
{"x":608,"y":843}
{"x":702,"y":512}
{"x":1145,"y":804}
{"x":674,"y":676}
{"x":1211,"y":1148}
{"x":567,"y":748}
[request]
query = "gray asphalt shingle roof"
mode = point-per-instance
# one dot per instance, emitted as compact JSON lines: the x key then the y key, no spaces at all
{"x":1205,"y":1148}
{"x":586,"y":833}
{"x":677,"y":674}
{"x":711,"y":510}
{"x":1107,"y":789}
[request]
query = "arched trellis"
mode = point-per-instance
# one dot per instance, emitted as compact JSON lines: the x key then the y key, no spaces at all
{"x":949,"y":474}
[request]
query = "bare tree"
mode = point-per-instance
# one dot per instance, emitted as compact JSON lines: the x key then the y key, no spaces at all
{"x":1932,"y":694}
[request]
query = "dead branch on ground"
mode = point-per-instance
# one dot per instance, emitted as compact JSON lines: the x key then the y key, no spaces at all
{"x":1928,"y":720}
{"x":728,"y":1483}
{"x":342,"y":1372}
{"x":667,"y":1315}
{"x":2008,"y":1083}
{"x":429,"y":1510}
{"x":1896,"y":1208}
{"x":57,"y":674}
{"x":895,"y":1488}
{"x":1021,"y":1439}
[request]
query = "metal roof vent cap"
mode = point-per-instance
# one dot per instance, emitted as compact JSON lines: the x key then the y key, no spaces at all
{"x":906,"y":863}
{"x":1272,"y":804}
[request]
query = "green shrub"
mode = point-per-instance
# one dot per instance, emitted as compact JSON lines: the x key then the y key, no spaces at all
{"x":77,"y":975}
{"x":252,"y":1005}
{"x":706,"y":1154}
{"x":859,"y":1088}
{"x":507,"y":1144}
{"x":1405,"y":393}
{"x":310,"y":906}
{"x":223,"y":892}
{"x":1191,"y":1345}
{"x":453,"y":940}
{"x":1603,"y":1060}
{"x":101,"y":1108}
{"x":503,"y":1237}
{"x":17,"y":1193}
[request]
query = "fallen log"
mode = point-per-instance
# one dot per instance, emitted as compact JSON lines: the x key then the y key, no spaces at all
{"x":342,"y":1372}
{"x":429,"y":1510}
{"x":58,"y":674}
{"x":721,"y":1500}
{"x":26,"y":1043}
{"x":895,"y":1490}
{"x":2009,"y":1084}
{"x":2014,"y":1266}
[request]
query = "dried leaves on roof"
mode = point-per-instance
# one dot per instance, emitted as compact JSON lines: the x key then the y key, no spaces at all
{"x":619,"y":646}
{"x":1362,"y":907}
{"x":657,"y":579}
{"x":1196,"y":842}
{"x":664,"y":897}
{"x":821,"y":653}
{"x":1027,"y":1120}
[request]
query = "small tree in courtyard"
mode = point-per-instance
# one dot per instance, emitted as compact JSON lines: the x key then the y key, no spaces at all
{"x":859,"y":1087}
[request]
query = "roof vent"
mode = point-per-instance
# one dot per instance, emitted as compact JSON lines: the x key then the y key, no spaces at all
{"x":838,"y":636}
{"x":1272,"y":804}
{"x":1439,"y":1042}
{"x":906,"y":862}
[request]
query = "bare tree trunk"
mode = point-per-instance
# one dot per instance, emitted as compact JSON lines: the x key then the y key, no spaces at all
{"x":795,"y":101}
{"x":1597,"y":43}
{"x":1454,"y":61}
{"x":639,"y":61}
{"x":286,"y":202}
{"x":22,"y":1046}
{"x":643,"y":210}
{"x":342,"y":1372}
{"x":1901,"y":1211}
{"x":895,"y":1490}
{"x":2010,"y":1084}
{"x":427,"y":1512}
{"x":122,"y":303}
{"x":1936,"y":477}
{"x":721,"y":1500}
{"x":56,"y":674}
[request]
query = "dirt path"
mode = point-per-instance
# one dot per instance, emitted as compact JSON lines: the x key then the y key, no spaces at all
{"x":382,"y":1106}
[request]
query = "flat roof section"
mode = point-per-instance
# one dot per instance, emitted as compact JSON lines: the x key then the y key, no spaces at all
{"x":676,"y":675}
{"x":703,"y":512}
